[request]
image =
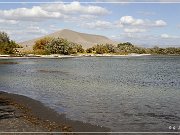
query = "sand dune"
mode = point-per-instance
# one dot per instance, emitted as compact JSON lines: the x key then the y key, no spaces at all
{"x":86,"y":40}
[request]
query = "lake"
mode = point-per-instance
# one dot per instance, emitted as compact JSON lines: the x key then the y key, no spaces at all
{"x":122,"y":93}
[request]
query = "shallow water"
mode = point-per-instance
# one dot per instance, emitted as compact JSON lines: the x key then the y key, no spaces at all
{"x":123,"y":93}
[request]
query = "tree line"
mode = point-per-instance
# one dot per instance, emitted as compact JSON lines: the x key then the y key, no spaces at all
{"x":7,"y":46}
{"x":128,"y":48}
{"x":49,"y":45}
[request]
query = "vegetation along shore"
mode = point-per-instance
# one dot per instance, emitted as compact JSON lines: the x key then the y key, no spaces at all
{"x":58,"y":47}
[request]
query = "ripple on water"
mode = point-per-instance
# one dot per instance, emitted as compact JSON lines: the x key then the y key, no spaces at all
{"x":52,"y":71}
{"x":124,"y":94}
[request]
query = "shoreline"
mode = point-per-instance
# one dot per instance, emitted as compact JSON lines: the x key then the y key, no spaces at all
{"x":69,"y":56}
{"x":38,"y":117}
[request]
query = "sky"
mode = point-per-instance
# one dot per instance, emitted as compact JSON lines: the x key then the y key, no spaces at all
{"x":147,"y":24}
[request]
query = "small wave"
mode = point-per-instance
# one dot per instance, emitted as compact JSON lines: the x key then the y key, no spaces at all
{"x":160,"y":116}
{"x":52,"y":71}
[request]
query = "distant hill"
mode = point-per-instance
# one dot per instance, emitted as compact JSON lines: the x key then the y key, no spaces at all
{"x":86,"y":40}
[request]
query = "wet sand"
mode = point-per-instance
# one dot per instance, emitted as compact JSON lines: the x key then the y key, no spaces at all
{"x":22,"y":114}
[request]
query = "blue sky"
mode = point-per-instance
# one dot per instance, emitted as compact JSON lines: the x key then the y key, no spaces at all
{"x":144,"y":24}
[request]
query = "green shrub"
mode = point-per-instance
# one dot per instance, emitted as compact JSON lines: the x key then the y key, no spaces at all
{"x":42,"y":43}
{"x":7,"y":46}
{"x":41,"y":52}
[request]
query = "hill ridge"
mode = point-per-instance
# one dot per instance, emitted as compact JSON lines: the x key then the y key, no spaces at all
{"x":85,"y":39}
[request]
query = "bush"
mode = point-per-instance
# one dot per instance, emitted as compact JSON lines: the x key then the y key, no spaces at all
{"x":4,"y":38}
{"x":7,"y":46}
{"x":89,"y":50}
{"x":40,"y":44}
{"x":41,"y":52}
{"x":56,"y":46}
{"x":100,"y":49}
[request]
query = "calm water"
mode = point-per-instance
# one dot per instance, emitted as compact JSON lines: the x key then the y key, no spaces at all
{"x":123,"y":93}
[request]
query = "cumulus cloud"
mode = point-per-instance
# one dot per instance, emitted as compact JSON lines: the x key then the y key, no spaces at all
{"x":160,"y":23}
{"x":134,"y":30}
{"x":32,"y":30}
{"x":166,"y":36}
{"x":98,"y":24}
{"x":23,"y":31}
{"x":84,"y":16}
{"x":35,"y":13}
{"x":73,"y":12}
{"x":36,"y":30}
{"x":52,"y":11}
{"x":148,"y":40}
{"x":131,"y":21}
{"x":129,"y":24}
{"x":36,"y":22}
{"x":53,"y":28}
{"x":76,"y":7}
{"x":2,"y":21}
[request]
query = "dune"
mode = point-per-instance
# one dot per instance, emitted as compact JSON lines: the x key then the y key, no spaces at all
{"x":86,"y":40}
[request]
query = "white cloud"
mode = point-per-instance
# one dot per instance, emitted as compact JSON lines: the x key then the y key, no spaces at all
{"x":32,"y":20}
{"x":32,"y":30}
{"x":2,"y":21}
{"x":52,"y":11}
{"x":160,"y":23}
{"x":129,"y":24}
{"x":166,"y":36}
{"x":22,"y":32}
{"x":131,"y":21}
{"x":36,"y":30}
{"x":87,"y":16}
{"x":98,"y":24}
{"x":148,"y":40}
{"x":134,"y":30}
{"x":35,"y":13}
{"x":76,"y":7}
{"x":53,"y":28}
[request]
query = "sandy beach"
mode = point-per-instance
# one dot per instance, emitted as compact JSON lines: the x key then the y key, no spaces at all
{"x":55,"y":56}
{"x":22,"y":114}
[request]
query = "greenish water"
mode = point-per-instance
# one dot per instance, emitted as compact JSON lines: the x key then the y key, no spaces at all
{"x":123,"y":93}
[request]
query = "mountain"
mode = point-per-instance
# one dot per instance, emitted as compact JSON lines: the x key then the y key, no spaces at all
{"x":86,"y":40}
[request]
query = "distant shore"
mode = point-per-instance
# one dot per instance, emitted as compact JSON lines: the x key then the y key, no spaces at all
{"x":71,"y":56}
{"x":22,"y":114}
